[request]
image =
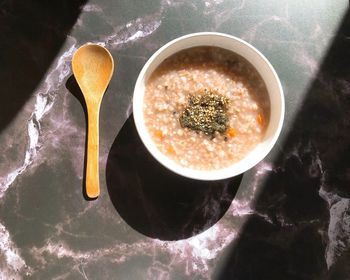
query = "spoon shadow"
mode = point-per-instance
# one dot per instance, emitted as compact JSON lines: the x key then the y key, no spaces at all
{"x":75,"y":90}
{"x":157,"y":202}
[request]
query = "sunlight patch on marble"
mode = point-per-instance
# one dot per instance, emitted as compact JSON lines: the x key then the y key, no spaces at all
{"x":310,"y":61}
{"x":261,"y":172}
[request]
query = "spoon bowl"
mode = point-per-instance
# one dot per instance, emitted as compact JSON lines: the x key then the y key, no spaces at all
{"x":93,"y":68}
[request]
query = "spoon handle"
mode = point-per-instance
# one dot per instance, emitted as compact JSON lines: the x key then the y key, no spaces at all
{"x":92,"y":159}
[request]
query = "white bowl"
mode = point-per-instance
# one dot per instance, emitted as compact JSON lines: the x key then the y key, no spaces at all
{"x":261,"y":64}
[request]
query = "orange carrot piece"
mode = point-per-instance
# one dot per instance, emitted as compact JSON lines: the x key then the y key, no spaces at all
{"x":170,"y":150}
{"x":231,"y":132}
{"x":159,"y":134}
{"x":260,"y":119}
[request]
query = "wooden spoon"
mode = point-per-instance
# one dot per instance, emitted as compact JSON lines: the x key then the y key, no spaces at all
{"x":93,"y":69}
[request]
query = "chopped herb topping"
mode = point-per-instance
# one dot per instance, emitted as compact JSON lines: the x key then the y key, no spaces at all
{"x":206,"y":112}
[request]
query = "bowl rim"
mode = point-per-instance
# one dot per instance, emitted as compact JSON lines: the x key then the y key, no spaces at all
{"x":207,"y":175}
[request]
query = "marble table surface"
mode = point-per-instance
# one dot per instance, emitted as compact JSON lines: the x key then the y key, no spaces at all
{"x":287,"y":218}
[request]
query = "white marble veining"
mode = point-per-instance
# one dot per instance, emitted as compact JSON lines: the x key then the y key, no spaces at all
{"x":133,"y":30}
{"x":12,"y":265}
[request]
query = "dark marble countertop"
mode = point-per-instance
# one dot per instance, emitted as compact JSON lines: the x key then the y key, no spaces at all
{"x":287,"y":218}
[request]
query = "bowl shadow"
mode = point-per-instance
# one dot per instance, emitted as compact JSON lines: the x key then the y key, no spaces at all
{"x":157,"y":202}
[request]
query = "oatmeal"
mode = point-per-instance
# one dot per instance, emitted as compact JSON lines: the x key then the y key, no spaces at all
{"x":180,"y":120}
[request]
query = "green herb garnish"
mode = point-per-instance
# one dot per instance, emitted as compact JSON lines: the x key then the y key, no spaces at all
{"x":206,"y":112}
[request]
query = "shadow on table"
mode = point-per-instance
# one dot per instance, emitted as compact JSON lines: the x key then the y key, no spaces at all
{"x":31,"y":34}
{"x":288,"y":238}
{"x":155,"y":201}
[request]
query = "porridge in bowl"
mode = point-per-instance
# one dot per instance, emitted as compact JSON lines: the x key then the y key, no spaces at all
{"x":206,"y":107}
